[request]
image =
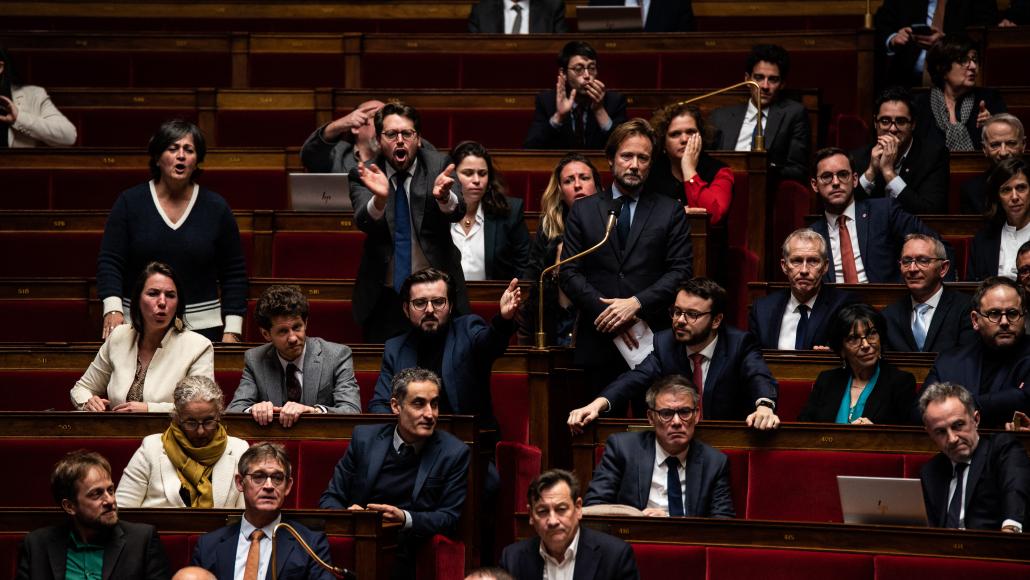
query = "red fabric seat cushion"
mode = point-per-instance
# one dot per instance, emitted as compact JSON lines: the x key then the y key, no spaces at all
{"x":367,"y":385}
{"x":908,"y":567}
{"x":37,"y":254}
{"x":249,"y":188}
{"x":264,"y":128}
{"x":517,"y":466}
{"x":342,"y":551}
{"x":177,"y":548}
{"x":914,"y":462}
{"x":92,"y":189}
{"x":37,"y":390}
{"x":657,"y":561}
{"x":738,"y":459}
{"x":51,"y":320}
{"x":228,"y":380}
{"x":304,"y":70}
{"x":736,"y":563}
{"x":510,"y":396}
{"x":440,"y":558}
{"x":10,"y":544}
{"x":792,"y":398}
{"x":35,"y":459}
{"x":121,"y":127}
{"x":316,"y":254}
{"x":315,"y":464}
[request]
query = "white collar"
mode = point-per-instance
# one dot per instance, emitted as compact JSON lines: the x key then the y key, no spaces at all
{"x":707,"y":351}
{"x":831,"y":218}
{"x":247,"y":528}
{"x":793,"y":303}
{"x":933,"y":300}
{"x":570,"y":552}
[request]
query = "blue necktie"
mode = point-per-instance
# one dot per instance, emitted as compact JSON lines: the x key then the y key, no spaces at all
{"x":799,"y":338}
{"x":919,"y":325}
{"x":672,"y":486}
{"x":624,"y":220}
{"x":401,"y":233}
{"x":955,"y":507}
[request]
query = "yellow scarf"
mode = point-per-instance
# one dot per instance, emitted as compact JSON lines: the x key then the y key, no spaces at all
{"x":195,"y":464}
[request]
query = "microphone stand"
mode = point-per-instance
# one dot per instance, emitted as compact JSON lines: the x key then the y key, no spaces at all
{"x":336,"y":571}
{"x":760,"y":137}
{"x":868,"y":15}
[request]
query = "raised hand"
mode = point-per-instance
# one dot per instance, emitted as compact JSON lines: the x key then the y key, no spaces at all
{"x":595,"y":91}
{"x":889,"y":156}
{"x":443,"y":183}
{"x":982,"y":115}
{"x":376,"y":182}
{"x":511,"y":299}
{"x":563,"y":101}
{"x":691,"y":155}
{"x":353,"y":120}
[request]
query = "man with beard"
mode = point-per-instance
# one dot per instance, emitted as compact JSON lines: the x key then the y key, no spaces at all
{"x":997,"y":366}
{"x":342,"y":145}
{"x":725,"y":364}
{"x":93,"y":543}
{"x":1002,"y":137}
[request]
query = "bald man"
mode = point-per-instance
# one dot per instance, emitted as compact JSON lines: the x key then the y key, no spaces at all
{"x":194,"y":573}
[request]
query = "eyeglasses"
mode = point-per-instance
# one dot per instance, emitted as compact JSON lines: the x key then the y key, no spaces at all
{"x":827,"y":177}
{"x":260,"y":477}
{"x":899,"y":122}
{"x":666,"y":415}
{"x":921,"y":262}
{"x":580,"y":69}
{"x":691,"y":315}
{"x":422,"y":303}
{"x":207,"y":424}
{"x":968,"y":60}
{"x":995,"y":315}
{"x":855,"y":340}
{"x":406,"y":134}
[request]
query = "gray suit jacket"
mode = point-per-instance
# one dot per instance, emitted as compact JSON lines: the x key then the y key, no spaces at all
{"x":328,"y":378}
{"x":787,"y":136}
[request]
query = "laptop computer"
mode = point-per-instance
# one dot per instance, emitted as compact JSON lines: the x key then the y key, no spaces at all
{"x":882,"y":500}
{"x":319,"y":192}
{"x":604,"y":18}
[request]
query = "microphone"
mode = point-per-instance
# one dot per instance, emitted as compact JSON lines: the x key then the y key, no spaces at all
{"x":613,"y":214}
{"x":337,"y":571}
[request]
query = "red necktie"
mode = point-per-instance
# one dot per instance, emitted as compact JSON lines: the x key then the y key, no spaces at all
{"x":847,"y":252}
{"x":699,"y":378}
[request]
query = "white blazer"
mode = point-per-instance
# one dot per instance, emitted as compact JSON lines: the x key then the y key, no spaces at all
{"x":39,"y":122}
{"x":150,"y":480}
{"x":110,"y":375}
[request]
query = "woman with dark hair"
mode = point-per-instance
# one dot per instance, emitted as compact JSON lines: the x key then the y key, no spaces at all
{"x":139,"y":365}
{"x":492,"y":237}
{"x":867,"y":390}
{"x":174,"y":220}
{"x":954,"y":109}
{"x":28,"y":118}
{"x":995,"y":247}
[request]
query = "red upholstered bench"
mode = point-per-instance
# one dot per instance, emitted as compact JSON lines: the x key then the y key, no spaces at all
{"x":961,"y":247}
{"x":517,"y":466}
{"x":39,"y":254}
{"x":10,"y":544}
{"x":123,"y":68}
{"x":441,"y":559}
{"x":510,"y":396}
{"x":34,"y":390}
{"x":229,"y":381}
{"x":264,"y":128}
{"x":55,"y":320}
{"x":178,"y":548}
{"x":25,"y":189}
{"x":342,"y":551}
{"x":121,"y":127}
{"x":93,"y":188}
{"x":303,"y":70}
{"x":792,"y":398}
{"x":316,"y":460}
{"x":914,"y":462}
{"x":35,"y":459}
{"x":908,"y":567}
{"x":249,"y":188}
{"x":737,"y":563}
{"x":316,"y":254}
{"x":657,"y":561}
{"x":367,"y":385}
{"x":496,"y":129}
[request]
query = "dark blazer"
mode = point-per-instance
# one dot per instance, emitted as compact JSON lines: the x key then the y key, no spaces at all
{"x":542,"y":135}
{"x":890,"y":403}
{"x":440,"y":487}
{"x":658,"y":256}
{"x":328,"y":378}
{"x":506,"y":244}
{"x":949,"y":327}
{"x":133,"y":552}
{"x":767,"y":314}
{"x":882,"y":226}
{"x":1019,"y":12}
{"x":787,"y":136}
{"x":431,"y":227}
{"x":973,"y":194}
{"x":599,"y":557}
{"x":663,"y":16}
{"x":997,"y":487}
{"x":926,"y":126}
{"x":737,"y":375}
{"x":216,"y":553}
{"x":545,"y":16}
{"x":1008,"y":392}
{"x":925,"y":172}
{"x":984,"y":252}
{"x":624,"y":476}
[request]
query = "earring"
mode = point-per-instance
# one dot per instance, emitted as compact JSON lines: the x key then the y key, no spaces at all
{"x":179,"y":324}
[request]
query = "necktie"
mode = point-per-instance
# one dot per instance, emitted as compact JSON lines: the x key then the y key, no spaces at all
{"x":754,"y":132}
{"x":401,"y":233}
{"x":624,"y":220}
{"x":799,"y":338}
{"x":672,"y":486}
{"x":919,"y":325}
{"x":699,"y":378}
{"x":292,"y":384}
{"x":847,"y":252}
{"x":579,"y":120}
{"x":250,"y":570}
{"x":955,"y":507}
{"x":516,"y":27}
{"x":936,"y":22}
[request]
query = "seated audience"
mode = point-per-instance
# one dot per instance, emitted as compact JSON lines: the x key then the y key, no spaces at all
{"x":994,"y":248}
{"x":562,"y":548}
{"x":1002,"y":137}
{"x":580,"y":112}
{"x":293,"y":374}
{"x":997,"y":365}
{"x":412,"y":472}
{"x":665,"y":472}
{"x":977,"y":482}
{"x":192,"y":463}
{"x":174,"y":220}
{"x":28,"y":118}
{"x":908,"y":167}
{"x":140,"y":364}
{"x":492,"y":236}
{"x":867,"y":390}
{"x":797,"y":318}
{"x":244,"y":549}
{"x":726,"y":363}
{"x":955,"y":109}
{"x":345,"y":143}
{"x":659,"y":15}
{"x":682,"y":170}
{"x":518,"y":17}
{"x":93,"y":542}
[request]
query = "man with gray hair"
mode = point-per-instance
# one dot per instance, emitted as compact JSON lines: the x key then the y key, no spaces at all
{"x":1002,"y":137}
{"x":931,"y":318}
{"x":798,"y":318}
{"x":977,"y":481}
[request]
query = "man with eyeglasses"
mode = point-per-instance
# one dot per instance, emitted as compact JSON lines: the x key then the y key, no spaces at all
{"x":911,"y":169}
{"x":1002,"y":137}
{"x":995,"y":368}
{"x":243,"y":551}
{"x":665,"y":472}
{"x":931,"y":318}
{"x":724,"y":363}
{"x":403,"y":202}
{"x":580,"y":112}
{"x":1023,"y":266}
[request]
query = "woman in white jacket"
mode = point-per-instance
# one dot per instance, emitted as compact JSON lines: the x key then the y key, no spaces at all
{"x":28,"y":118}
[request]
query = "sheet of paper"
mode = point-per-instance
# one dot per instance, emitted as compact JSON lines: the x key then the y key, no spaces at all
{"x":642,"y":332}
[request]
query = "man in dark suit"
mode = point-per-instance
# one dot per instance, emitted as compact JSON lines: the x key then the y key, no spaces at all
{"x":784,"y":122}
{"x":580,"y":112}
{"x":867,"y":249}
{"x":725,"y":362}
{"x":665,"y":472}
{"x":1023,"y":266}
{"x":996,"y":367}
{"x":1002,"y":137}
{"x":293,"y":374}
{"x":798,"y":318}
{"x":405,"y":233}
{"x":931,"y":318}
{"x":413,"y":473}
{"x":510,"y":17}
{"x":345,"y":143}
{"x":912,"y":170}
{"x":93,"y":543}
{"x":659,"y":15}
{"x":977,"y":481}
{"x":244,"y":549}
{"x":562,"y":547}
{"x":633,"y":276}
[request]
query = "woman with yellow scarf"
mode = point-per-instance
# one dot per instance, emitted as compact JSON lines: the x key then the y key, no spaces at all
{"x":191,"y":464}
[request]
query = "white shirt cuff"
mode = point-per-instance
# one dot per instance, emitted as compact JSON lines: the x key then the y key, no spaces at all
{"x":607,"y":125}
{"x":890,"y":47}
{"x":407,"y":519}
{"x":767,"y":400}
{"x":373,"y":212}
{"x":112,"y":304}
{"x":1014,"y":523}
{"x":448,"y":205}
{"x":896,"y":186}
{"x":234,"y":324}
{"x":866,"y":184}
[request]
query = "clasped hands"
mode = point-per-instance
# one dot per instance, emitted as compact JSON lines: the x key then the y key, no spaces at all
{"x":289,"y":413}
{"x":619,"y":316}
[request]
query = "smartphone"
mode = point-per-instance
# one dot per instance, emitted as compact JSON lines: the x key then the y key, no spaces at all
{"x":922,"y":30}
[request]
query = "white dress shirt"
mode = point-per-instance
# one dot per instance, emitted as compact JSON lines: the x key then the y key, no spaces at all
{"x":932,"y":302}
{"x":791,"y":319}
{"x":965,"y":493}
{"x":472,"y":246}
{"x":659,"y":495}
{"x":834,"y":230}
{"x":645,"y":7}
{"x":1011,"y":239}
{"x":747,"y":130}
{"x":509,"y":16}
{"x":707,"y":352}
{"x":243,"y":547}
{"x":564,"y":570}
